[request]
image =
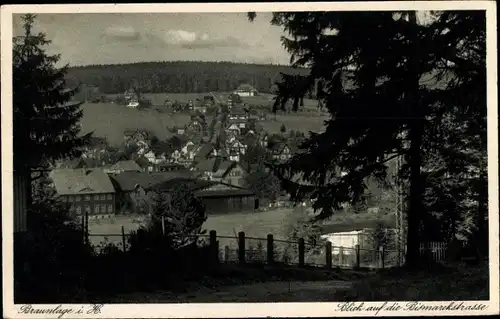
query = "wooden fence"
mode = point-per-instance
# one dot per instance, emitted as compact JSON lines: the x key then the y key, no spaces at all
{"x":243,"y":249}
{"x":246,"y":250}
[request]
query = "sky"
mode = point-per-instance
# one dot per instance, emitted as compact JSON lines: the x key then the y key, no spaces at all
{"x":106,"y":38}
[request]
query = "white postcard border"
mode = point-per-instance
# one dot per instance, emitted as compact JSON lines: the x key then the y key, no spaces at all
{"x":239,"y":310}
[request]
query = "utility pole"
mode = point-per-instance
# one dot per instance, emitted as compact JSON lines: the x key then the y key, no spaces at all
{"x":400,"y":210}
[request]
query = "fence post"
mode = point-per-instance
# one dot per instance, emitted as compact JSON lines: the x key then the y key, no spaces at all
{"x":123,"y":240}
{"x":341,"y":256}
{"x":358,"y":256}
{"x":213,"y":245}
{"x":226,"y":253}
{"x":241,"y":247}
{"x":83,"y":230}
{"x":328,"y":249}
{"x":382,"y":253}
{"x":302,"y":250}
{"x":270,"y":249}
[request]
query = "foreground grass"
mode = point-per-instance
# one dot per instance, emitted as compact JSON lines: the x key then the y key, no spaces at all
{"x":248,"y":283}
{"x":252,"y":283}
{"x":445,"y":283}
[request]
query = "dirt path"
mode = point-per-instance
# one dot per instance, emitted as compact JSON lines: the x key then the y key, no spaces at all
{"x":294,"y":291}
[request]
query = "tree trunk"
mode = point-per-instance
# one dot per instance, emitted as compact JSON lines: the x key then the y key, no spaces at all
{"x":415,"y":156}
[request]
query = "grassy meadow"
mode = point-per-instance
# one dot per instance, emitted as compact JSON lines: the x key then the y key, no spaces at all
{"x":110,"y":120}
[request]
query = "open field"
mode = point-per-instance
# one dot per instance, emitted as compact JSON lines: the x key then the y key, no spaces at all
{"x":294,"y":122}
{"x":254,"y":224}
{"x":111,"y":120}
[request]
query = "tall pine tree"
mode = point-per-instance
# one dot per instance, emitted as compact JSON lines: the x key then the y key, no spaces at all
{"x":387,"y":82}
{"x":45,"y":119}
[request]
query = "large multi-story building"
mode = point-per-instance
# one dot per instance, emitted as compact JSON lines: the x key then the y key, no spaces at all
{"x":87,"y":191}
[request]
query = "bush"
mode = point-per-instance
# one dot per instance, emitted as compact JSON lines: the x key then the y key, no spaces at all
{"x":53,"y":253}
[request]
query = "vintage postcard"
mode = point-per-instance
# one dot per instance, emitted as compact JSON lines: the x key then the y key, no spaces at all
{"x":250,"y":160}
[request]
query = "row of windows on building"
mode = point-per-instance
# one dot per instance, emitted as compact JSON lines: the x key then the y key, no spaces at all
{"x":235,"y":173}
{"x":98,"y":209}
{"x":77,"y":198}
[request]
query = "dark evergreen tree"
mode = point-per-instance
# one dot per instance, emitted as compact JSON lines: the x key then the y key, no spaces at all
{"x":45,"y":119}
{"x":386,"y":81}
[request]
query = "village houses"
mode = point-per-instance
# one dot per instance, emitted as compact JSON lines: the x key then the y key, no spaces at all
{"x":123,"y":166}
{"x":87,"y":191}
{"x":220,"y":170}
{"x":246,"y":89}
{"x":134,"y":136}
{"x":280,"y":151}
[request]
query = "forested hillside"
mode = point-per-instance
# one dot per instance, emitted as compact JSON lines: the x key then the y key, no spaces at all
{"x":178,"y":76}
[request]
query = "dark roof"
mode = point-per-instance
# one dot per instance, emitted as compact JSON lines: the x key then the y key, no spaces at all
{"x":170,"y":165}
{"x":278,"y":147}
{"x":249,"y":139}
{"x":88,"y":163}
{"x":127,"y":166}
{"x":178,"y":141}
{"x":129,"y":180}
{"x":214,"y":164}
{"x":205,"y":150}
{"x":194,"y":184}
{"x":142,"y":162}
{"x":162,"y":148}
{"x":237,"y":111}
{"x":81,"y":181}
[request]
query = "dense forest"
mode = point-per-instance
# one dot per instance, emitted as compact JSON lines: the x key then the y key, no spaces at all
{"x":178,"y":76}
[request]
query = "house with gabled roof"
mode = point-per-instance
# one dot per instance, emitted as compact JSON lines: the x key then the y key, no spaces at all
{"x":155,"y":158}
{"x":237,"y":114}
{"x":233,"y":129}
{"x":86,"y":191}
{"x":96,"y":147}
{"x":197,"y":124}
{"x":222,"y":170}
{"x":246,"y":89}
{"x":280,"y":151}
{"x":208,"y":150}
{"x":234,"y":144}
{"x":188,"y":150}
{"x":218,"y":197}
{"x":234,"y":155}
{"x":123,"y":166}
{"x":136,"y":135}
{"x":249,"y":139}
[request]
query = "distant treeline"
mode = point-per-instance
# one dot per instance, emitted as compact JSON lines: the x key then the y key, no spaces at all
{"x":178,"y":76}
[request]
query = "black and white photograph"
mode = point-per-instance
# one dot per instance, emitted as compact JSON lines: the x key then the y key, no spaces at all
{"x":294,"y":153}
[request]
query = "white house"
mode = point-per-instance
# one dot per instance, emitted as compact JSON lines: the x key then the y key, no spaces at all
{"x":188,"y":150}
{"x":154,"y":159}
{"x":234,"y":156}
{"x":246,"y":90}
{"x":347,"y":240}
{"x":236,"y":146}
{"x":143,"y":147}
{"x":234,"y":129}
